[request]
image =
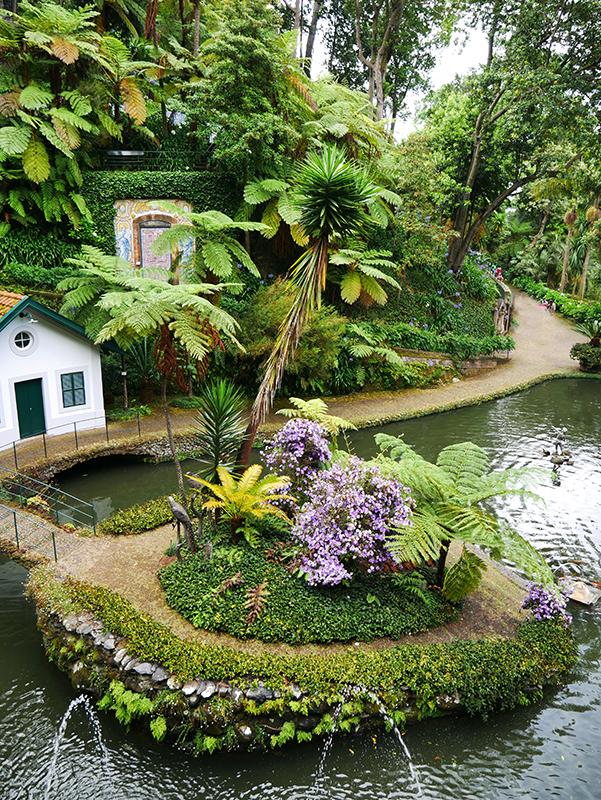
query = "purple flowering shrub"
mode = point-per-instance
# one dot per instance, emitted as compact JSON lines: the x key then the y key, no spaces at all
{"x":297,"y":451}
{"x":342,"y":528}
{"x":545,"y":605}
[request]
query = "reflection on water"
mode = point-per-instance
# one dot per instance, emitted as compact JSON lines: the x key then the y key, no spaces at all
{"x":110,"y":484}
{"x":551,"y":750}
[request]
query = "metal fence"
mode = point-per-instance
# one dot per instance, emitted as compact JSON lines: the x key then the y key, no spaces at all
{"x":72,"y":435}
{"x":152,"y":160}
{"x":49,"y":500}
{"x":27,"y":532}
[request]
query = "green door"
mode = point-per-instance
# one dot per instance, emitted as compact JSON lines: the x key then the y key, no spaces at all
{"x":30,"y":408}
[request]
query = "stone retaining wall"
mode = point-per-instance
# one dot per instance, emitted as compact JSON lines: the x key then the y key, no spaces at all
{"x":242,"y":716}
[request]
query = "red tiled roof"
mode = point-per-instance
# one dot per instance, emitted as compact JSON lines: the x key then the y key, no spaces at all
{"x":9,"y":300}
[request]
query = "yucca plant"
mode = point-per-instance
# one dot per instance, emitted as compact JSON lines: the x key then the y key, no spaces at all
{"x":447,"y":496}
{"x":241,"y":501}
{"x":592,"y":329}
{"x":219,"y":426}
{"x":142,"y":367}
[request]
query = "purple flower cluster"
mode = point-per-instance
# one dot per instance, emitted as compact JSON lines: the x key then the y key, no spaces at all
{"x":298,"y":450}
{"x":343,"y":527}
{"x":545,"y":605}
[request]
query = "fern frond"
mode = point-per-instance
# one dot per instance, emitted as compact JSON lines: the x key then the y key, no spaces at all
{"x":350,"y":286}
{"x":464,"y":576}
{"x":217,"y":259}
{"x":15,"y":139}
{"x":465,"y":462}
{"x":415,"y":543}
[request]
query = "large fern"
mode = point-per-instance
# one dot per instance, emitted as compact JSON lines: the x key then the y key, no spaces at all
{"x":447,"y":496}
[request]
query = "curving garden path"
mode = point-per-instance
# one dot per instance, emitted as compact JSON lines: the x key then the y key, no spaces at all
{"x":129,"y":565}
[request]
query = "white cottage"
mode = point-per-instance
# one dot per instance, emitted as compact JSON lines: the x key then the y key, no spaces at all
{"x":49,"y":372}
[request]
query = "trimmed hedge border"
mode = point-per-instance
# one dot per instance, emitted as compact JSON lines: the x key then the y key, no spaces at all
{"x":266,"y":699}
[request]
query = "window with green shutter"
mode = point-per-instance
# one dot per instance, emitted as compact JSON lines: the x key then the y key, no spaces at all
{"x":74,"y":393}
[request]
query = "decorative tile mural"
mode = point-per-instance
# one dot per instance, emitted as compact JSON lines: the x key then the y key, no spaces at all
{"x":138,"y":223}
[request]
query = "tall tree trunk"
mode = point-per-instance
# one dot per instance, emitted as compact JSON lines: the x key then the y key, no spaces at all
{"x":592,"y":215}
{"x":442,"y":560}
{"x":178,"y":466}
{"x":307,"y":298}
{"x":182,"y":19}
{"x":585,"y":271}
{"x":570,"y":218}
{"x":298,"y":53}
{"x":124,"y":379}
{"x":196,"y":46}
{"x":317,"y":5}
{"x":377,"y":62}
{"x":541,"y":230}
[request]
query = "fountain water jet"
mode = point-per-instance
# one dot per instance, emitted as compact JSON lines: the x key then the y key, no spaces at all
{"x":395,"y":728}
{"x":389,"y":722}
{"x":82,"y":700}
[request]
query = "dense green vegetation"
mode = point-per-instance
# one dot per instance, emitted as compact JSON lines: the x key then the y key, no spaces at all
{"x":230,"y":119}
{"x":318,"y":250}
{"x":295,"y":612}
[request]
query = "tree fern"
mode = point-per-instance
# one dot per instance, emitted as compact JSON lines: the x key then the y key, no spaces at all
{"x":447,"y":495}
{"x":465,"y":462}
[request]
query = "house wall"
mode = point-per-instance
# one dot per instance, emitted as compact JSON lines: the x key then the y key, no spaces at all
{"x":55,"y":351}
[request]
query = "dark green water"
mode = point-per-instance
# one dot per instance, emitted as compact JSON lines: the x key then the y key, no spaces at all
{"x":552,"y":750}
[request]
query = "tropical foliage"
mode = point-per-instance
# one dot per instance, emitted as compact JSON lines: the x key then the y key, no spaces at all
{"x":218,"y":426}
{"x":61,"y":90}
{"x":448,"y":495}
{"x":250,"y":497}
{"x":114,"y":302}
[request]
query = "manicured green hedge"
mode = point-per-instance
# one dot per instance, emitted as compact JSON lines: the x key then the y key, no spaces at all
{"x":459,"y":346}
{"x":488,"y":674}
{"x":204,"y":190}
{"x":294,"y":612}
{"x":138,"y":518}
{"x":578,"y":310}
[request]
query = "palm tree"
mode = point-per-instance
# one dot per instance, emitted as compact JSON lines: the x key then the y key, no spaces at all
{"x":331,"y":195}
{"x":447,"y":496}
{"x":113,"y":302}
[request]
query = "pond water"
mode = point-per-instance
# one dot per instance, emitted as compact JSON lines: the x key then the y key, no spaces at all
{"x":551,"y":750}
